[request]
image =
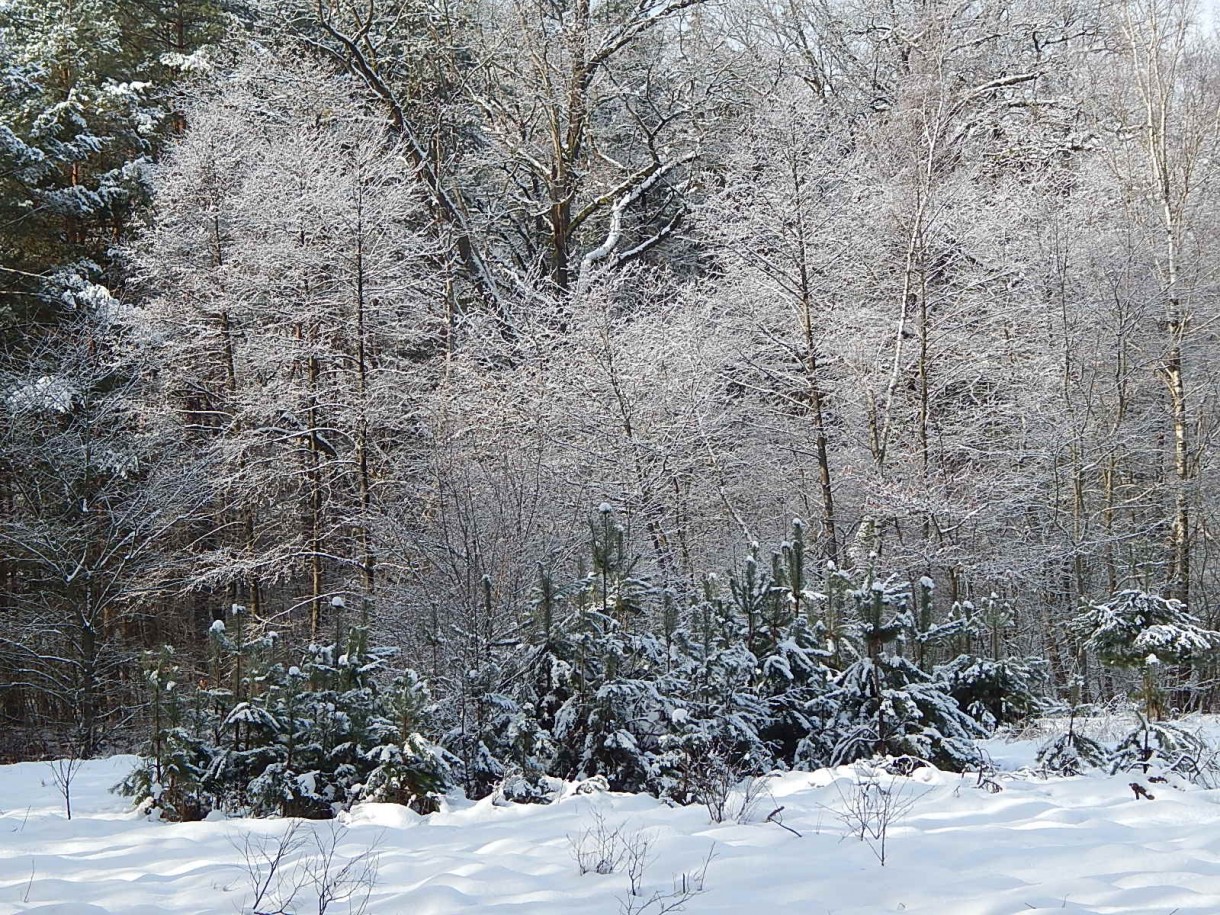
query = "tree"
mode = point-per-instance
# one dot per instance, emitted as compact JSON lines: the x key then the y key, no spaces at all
{"x":87,"y":522}
{"x":1172,"y":175}
{"x":1135,"y":629}
{"x":86,"y":107}
{"x":780,"y":243}
{"x":296,"y":314}
{"x":542,"y":97}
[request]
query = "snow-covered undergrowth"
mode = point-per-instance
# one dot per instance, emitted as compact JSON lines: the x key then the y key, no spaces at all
{"x":1083,"y":844}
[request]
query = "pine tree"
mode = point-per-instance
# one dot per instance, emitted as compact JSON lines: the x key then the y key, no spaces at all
{"x":89,"y":87}
{"x":884,"y":703}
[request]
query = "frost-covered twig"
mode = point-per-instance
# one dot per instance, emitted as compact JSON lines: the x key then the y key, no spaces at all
{"x":868,"y":809}
{"x":598,"y":848}
{"x":264,"y":858}
{"x":336,"y":879}
{"x":686,"y":887}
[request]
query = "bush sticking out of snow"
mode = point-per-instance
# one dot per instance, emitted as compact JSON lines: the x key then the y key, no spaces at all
{"x":1072,"y":753}
{"x":1161,"y":748}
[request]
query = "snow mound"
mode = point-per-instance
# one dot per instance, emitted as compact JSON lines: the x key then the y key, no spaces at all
{"x":1084,"y":844}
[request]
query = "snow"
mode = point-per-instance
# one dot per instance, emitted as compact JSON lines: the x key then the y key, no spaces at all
{"x":1038,"y":845}
{"x":47,"y":393}
{"x":198,"y":61}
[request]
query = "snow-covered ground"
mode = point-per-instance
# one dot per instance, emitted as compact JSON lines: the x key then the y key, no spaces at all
{"x":1055,"y":845}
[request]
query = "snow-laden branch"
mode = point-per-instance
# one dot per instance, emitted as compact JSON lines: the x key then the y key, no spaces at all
{"x":648,"y":13}
{"x":614,"y":235}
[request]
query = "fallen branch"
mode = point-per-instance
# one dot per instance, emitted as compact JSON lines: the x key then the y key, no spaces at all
{"x":774,"y":817}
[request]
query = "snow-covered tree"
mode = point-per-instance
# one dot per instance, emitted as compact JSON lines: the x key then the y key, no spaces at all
{"x":1133,"y":625}
{"x":884,"y":704}
{"x":295,"y":322}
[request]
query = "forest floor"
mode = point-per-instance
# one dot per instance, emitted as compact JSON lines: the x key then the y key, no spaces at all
{"x":1083,"y":844}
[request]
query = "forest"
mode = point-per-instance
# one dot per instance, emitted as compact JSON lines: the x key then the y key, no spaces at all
{"x":400,"y":394}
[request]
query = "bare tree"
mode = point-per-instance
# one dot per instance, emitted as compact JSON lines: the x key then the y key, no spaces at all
{"x":1175,"y":122}
{"x":90,"y":538}
{"x":319,"y":327}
